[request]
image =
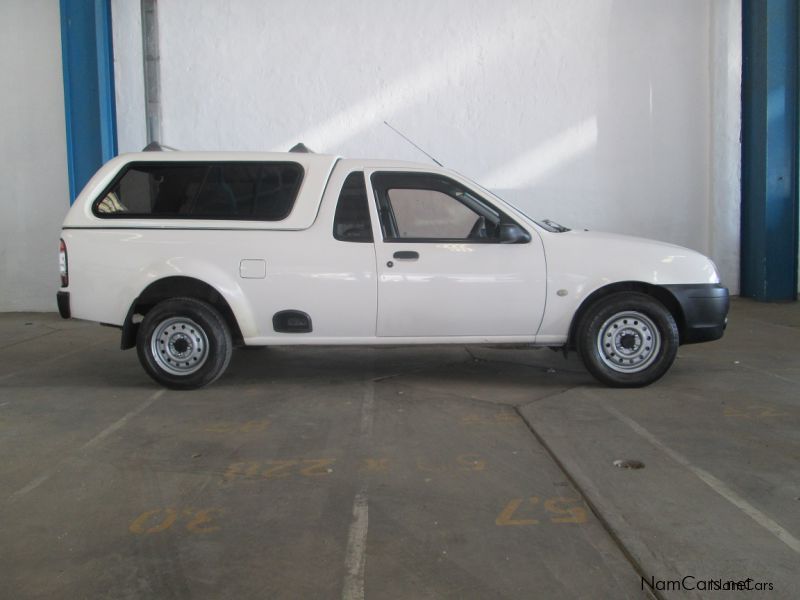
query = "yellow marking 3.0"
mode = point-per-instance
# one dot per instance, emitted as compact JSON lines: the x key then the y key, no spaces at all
{"x":162,"y":519}
{"x":202,"y":522}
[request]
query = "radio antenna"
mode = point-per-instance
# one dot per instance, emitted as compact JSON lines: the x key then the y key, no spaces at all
{"x":413,"y":144}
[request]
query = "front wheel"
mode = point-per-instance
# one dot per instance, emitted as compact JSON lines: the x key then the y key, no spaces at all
{"x":627,"y":339}
{"x":184,"y":343}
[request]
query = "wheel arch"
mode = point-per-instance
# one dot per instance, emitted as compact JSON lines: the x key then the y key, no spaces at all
{"x":655,"y":291}
{"x":174,"y":287}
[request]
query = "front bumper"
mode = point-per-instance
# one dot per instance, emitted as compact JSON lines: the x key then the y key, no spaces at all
{"x":62,"y":299}
{"x":705,"y":311}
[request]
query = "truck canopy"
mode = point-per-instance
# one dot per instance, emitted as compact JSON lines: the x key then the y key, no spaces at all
{"x":313,"y":170}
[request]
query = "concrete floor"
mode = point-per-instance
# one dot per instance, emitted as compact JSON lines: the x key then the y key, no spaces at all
{"x":444,"y":472}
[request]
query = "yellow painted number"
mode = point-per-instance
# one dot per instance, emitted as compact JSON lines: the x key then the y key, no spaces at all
{"x":506,"y":516}
{"x":317,"y":466}
{"x":138,"y":525}
{"x":244,"y":469}
{"x":568,"y":510}
{"x":564,"y":510}
{"x":279,"y":468}
{"x":202,"y":521}
{"x":162,"y":519}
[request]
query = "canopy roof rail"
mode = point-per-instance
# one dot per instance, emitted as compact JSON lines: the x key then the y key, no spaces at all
{"x":157,"y":147}
{"x":301,"y":147}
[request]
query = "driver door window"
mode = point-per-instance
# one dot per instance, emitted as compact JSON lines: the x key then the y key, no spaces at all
{"x":427,"y":207}
{"x":425,"y":214}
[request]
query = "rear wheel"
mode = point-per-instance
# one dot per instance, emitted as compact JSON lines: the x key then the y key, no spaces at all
{"x":184,"y":343}
{"x":628,"y":339}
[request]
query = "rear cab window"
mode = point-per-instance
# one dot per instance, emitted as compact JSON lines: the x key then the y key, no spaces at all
{"x":352,"y":222}
{"x":247,"y":191}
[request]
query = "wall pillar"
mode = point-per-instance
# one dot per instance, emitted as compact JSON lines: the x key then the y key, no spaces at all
{"x":770,"y":149}
{"x":88,"y":67}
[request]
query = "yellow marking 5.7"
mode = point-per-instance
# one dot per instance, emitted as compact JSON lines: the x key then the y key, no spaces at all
{"x":570,"y":510}
{"x":198,"y":520}
{"x":561,"y":509}
{"x":506,"y":516}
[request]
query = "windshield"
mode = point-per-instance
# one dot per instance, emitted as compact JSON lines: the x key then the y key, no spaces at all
{"x":546,"y":224}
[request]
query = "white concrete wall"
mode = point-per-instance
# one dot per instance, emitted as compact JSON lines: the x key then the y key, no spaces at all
{"x":726,"y":127}
{"x":34,"y":192}
{"x":620,"y":115}
{"x":126,"y":17}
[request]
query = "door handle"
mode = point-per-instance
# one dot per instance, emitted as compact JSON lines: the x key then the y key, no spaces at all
{"x":406,"y":255}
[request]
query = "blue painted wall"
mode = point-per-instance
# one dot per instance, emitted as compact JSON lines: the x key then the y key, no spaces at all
{"x":770,"y":112}
{"x":87,"y":58}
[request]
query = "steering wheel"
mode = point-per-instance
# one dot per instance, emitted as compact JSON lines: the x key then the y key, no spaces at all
{"x":478,"y":231}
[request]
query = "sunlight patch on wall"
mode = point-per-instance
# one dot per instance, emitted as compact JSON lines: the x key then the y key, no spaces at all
{"x":444,"y":73}
{"x":544,"y":158}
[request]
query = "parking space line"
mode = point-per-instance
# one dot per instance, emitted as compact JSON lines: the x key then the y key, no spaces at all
{"x":92,"y":442}
{"x":355,"y":560}
{"x":47,"y":361}
{"x":121,"y":422}
{"x":770,"y":374}
{"x":32,"y":485}
{"x":30,"y":339}
{"x":715,"y":484}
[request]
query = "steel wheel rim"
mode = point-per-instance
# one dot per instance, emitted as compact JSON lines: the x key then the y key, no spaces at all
{"x":179,"y":346}
{"x":628,"y":342}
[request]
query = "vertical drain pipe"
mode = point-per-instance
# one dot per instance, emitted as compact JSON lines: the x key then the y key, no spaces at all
{"x":152,"y":78}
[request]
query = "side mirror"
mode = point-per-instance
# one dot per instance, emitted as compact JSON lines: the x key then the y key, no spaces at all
{"x":511,"y":233}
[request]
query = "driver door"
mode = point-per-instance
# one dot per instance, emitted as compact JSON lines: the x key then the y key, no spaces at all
{"x":442,"y":268}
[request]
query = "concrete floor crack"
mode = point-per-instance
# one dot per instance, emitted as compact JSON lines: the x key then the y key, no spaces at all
{"x":600,"y":517}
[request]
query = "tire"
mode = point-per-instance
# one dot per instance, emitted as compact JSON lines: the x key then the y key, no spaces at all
{"x":184,"y":343}
{"x":627,"y":339}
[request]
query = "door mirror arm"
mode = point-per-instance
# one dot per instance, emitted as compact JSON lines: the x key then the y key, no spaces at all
{"x":511,"y":233}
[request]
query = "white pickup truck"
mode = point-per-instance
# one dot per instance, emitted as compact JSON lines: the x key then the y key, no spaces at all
{"x":193,"y":253}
